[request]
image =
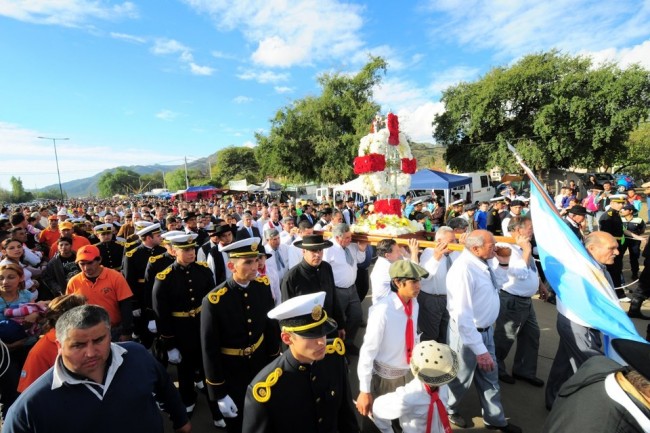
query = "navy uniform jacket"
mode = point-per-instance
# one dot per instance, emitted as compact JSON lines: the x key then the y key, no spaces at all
{"x":180,"y":289}
{"x":583,"y":404}
{"x":302,"y":398}
{"x":235,"y":317}
{"x":156,"y":265}
{"x":112,"y":254}
{"x":134,"y":267}
{"x":611,"y":223}
{"x":494,"y":222}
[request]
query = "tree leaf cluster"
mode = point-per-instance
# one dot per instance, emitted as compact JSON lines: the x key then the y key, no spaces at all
{"x":316,"y":138}
{"x":558,"y":110}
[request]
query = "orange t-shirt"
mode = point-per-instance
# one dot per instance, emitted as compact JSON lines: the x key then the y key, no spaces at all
{"x":40,"y":358}
{"x":107,"y":291}
{"x":49,"y":236}
{"x":77,"y":242}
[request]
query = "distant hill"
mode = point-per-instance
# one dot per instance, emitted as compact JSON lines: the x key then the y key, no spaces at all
{"x":88,"y":186}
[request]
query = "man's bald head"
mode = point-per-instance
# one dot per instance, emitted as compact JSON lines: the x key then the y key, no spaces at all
{"x":602,"y":246}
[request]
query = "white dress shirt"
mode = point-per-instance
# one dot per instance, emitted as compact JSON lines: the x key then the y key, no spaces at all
{"x":505,"y":222}
{"x":521,"y":278}
{"x":210,"y":261}
{"x":344,"y":274}
{"x":384,"y":340}
{"x":201,"y":256}
{"x":436,"y":282}
{"x":380,"y":279}
{"x":287,"y":238}
{"x":294,"y":253}
{"x":409,"y":403}
{"x":272,"y":262}
{"x":472,"y":286}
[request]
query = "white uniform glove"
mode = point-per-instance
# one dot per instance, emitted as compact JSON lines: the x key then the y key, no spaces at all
{"x":174,"y":356}
{"x":220,"y":423}
{"x":137,"y":313}
{"x":151,"y":326}
{"x":227,"y":407}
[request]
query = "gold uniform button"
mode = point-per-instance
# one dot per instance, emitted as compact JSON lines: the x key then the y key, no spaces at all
{"x":245,"y":295}
{"x":250,"y":321}
{"x":320,"y":420}
{"x":313,"y":378}
{"x":189,"y":281}
{"x":333,"y":393}
{"x":318,"y":400}
{"x":250,"y":333}
{"x":191,"y":299}
{"x":248,"y":307}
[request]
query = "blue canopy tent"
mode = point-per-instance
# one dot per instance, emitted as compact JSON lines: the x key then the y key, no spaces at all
{"x":431,"y":179}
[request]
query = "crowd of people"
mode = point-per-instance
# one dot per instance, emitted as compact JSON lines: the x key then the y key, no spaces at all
{"x":257,"y":306}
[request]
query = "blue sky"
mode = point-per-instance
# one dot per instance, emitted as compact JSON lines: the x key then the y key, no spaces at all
{"x":147,"y":82}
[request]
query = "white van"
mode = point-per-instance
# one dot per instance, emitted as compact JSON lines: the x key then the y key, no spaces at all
{"x":479,"y":190}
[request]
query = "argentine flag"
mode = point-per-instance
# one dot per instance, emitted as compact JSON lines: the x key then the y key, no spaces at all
{"x":576,"y":277}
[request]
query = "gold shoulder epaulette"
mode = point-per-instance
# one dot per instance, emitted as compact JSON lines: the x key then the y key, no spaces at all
{"x":214,"y":297}
{"x":263,"y":279}
{"x":130,"y":253}
{"x":262,"y":390}
{"x":610,"y":213}
{"x":202,"y":264}
{"x":153,"y":259}
{"x":121,"y":243}
{"x":163,"y":274}
{"x":337,"y":346}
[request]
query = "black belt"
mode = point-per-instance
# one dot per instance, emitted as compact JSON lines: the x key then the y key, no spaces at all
{"x":483,"y":329}
{"x":434,"y":294}
{"x":516,"y":296}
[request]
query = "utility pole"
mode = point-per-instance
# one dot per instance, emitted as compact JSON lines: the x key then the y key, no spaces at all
{"x":187,"y":179}
{"x":56,"y":158}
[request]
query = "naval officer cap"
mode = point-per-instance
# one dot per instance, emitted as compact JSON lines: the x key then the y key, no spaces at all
{"x":140,"y":224}
{"x":183,"y":240}
{"x":167,"y":235}
{"x":242,"y":249}
{"x":150,"y":229}
{"x":457,"y":202}
{"x":304,"y":315}
{"x":618,"y":198}
{"x":103,"y":228}
{"x":496,"y":199}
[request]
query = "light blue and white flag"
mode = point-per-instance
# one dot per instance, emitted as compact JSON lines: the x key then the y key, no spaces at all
{"x":578,"y":280}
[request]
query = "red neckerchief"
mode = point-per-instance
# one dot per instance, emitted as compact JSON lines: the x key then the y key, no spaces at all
{"x":409,"y":336}
{"x":442,"y":413}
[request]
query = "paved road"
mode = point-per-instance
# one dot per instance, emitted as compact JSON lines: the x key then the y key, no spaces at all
{"x":523,"y":403}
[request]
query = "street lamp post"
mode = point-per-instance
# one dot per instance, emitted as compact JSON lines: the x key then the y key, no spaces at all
{"x":56,"y":158}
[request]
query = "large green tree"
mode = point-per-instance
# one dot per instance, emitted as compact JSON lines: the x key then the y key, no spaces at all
{"x":175,"y":180}
{"x":316,"y":138}
{"x":118,"y":181}
{"x":558,"y":110}
{"x":18,"y":193}
{"x":236,"y":163}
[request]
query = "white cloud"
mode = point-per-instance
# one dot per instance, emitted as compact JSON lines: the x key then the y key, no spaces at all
{"x":395,"y":60}
{"x":68,"y":13}
{"x":128,"y":38}
{"x":289,"y":33}
{"x":249,"y":144}
{"x":242,"y":99}
{"x":201,"y":70}
{"x":32,"y":159}
{"x":416,"y":123}
{"x":167,"y":115}
{"x":625,"y":57}
{"x":283,"y":89}
{"x":222,"y":55}
{"x":163,"y":46}
{"x":263,"y":76}
{"x":516,"y":28}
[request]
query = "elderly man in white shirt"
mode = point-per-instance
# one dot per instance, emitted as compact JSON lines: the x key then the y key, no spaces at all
{"x":295,"y":254}
{"x":473,"y":307}
{"x":433,"y":321}
{"x":344,"y":257}
{"x":280,"y":259}
{"x":390,"y":337}
{"x":517,"y":319}
{"x":388,"y":252}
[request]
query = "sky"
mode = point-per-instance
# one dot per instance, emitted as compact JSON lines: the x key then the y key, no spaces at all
{"x":157,"y":81}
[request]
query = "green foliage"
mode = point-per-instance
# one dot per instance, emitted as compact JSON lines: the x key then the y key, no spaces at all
{"x":119,"y":181}
{"x":235,"y":163}
{"x":638,"y":147}
{"x":151,"y":181}
{"x":18,"y":193}
{"x":50,"y":194}
{"x":175,"y":180}
{"x":316,"y":138}
{"x":558,"y":110}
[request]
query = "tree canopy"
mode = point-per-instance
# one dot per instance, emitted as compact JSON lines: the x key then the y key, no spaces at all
{"x":118,"y":181}
{"x":558,"y":110}
{"x":236,"y":163}
{"x":316,"y":138}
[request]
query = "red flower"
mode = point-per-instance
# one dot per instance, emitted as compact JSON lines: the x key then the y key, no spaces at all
{"x":391,"y":206}
{"x":393,"y":128}
{"x":409,"y":166}
{"x":369,"y":163}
